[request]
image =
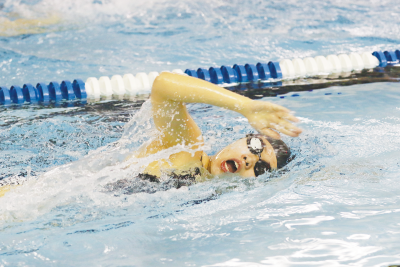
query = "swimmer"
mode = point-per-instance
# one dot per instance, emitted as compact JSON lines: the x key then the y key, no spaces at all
{"x":250,"y":156}
{"x":20,"y":26}
{"x":247,"y":157}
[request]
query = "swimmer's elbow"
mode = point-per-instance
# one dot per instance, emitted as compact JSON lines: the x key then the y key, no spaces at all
{"x":161,"y":86}
{"x":159,"y":81}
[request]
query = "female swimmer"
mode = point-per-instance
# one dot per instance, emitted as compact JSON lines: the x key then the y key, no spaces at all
{"x":247,"y":157}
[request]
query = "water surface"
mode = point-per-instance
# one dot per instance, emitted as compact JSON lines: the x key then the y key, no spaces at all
{"x":337,"y":204}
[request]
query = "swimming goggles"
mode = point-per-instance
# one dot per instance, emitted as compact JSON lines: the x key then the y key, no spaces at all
{"x":256,"y":146}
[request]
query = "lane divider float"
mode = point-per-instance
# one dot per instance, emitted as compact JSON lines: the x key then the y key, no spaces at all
{"x":225,"y":76}
{"x":43,"y":93}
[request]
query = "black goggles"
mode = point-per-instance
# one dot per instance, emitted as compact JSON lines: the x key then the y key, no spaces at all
{"x":256,"y":146}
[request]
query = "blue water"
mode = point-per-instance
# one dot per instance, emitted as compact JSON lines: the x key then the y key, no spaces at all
{"x":337,"y":206}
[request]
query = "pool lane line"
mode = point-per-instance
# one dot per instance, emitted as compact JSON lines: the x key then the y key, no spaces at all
{"x":253,"y":90}
{"x":225,"y":76}
{"x":43,"y":93}
{"x":260,"y":90}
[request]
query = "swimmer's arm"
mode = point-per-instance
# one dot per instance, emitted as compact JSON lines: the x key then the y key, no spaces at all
{"x":170,"y":92}
{"x":175,"y":88}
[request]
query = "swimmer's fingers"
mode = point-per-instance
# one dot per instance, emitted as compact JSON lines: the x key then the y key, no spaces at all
{"x":289,"y":126}
{"x":267,"y":127}
{"x":267,"y":117}
{"x":284,"y":131}
{"x":263,"y":127}
{"x":281,"y":112}
{"x":287,"y":116}
{"x":286,"y":128}
{"x":270,"y":133}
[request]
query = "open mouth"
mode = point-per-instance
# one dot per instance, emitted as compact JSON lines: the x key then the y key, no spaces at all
{"x":230,"y":166}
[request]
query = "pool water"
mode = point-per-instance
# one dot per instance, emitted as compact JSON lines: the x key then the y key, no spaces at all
{"x":336,"y":204}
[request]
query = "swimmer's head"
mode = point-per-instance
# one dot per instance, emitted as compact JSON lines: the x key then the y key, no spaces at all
{"x":251,"y":156}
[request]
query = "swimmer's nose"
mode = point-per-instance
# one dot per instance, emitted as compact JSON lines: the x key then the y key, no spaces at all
{"x":249,"y":160}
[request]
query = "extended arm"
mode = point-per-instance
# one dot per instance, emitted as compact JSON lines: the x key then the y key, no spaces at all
{"x":170,"y":92}
{"x":180,"y":88}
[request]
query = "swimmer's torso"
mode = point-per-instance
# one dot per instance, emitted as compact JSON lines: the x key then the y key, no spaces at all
{"x":176,"y":163}
{"x":179,"y":161}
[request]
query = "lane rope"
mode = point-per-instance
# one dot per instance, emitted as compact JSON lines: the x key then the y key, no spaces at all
{"x":225,"y":76}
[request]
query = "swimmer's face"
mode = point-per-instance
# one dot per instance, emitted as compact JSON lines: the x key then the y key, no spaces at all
{"x":237,"y":158}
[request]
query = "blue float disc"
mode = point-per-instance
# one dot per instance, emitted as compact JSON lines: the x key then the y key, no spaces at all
{"x":229,"y":74}
{"x":252,"y":72}
{"x":55,"y":91}
{"x":44,"y":94}
{"x":216,"y":75}
{"x":30,"y":94}
{"x":67,"y":90}
{"x":16,"y":94}
{"x":241,"y":73}
{"x":203,"y":74}
{"x":79,"y":89}
{"x":275,"y":70}
{"x":5,"y":98}
{"x":192,"y":73}
{"x":397,"y":52}
{"x":381,"y":57}
{"x":263,"y":71}
{"x":391,"y":57}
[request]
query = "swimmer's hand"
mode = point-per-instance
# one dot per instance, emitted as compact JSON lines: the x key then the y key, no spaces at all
{"x":266,"y":117}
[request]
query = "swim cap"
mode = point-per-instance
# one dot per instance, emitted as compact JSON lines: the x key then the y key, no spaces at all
{"x":282,"y":151}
